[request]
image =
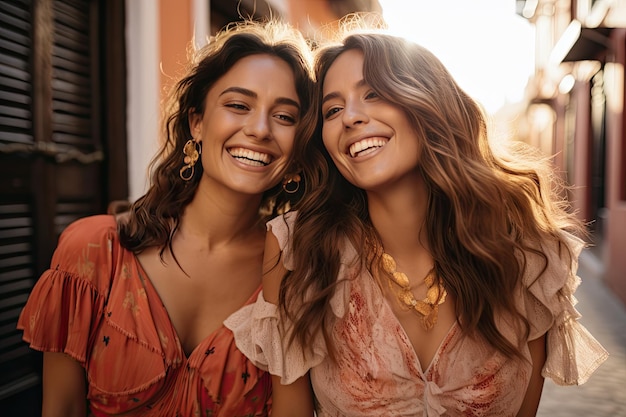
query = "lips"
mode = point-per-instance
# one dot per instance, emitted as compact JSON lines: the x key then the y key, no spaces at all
{"x":365,"y":146}
{"x":250,"y":157}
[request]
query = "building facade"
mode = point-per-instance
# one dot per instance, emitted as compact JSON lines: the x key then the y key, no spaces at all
{"x":575,"y":111}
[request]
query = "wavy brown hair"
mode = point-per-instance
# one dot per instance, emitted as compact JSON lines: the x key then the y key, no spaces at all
{"x":154,"y":217}
{"x":485,"y":212}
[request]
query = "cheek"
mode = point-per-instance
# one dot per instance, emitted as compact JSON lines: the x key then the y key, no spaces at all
{"x":287,"y":141}
{"x":328,"y":139}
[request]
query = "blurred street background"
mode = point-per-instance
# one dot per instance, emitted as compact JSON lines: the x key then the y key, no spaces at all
{"x":81,"y":87}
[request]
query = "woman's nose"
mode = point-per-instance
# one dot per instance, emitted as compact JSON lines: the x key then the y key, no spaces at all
{"x":258,"y":126}
{"x":354,"y":114}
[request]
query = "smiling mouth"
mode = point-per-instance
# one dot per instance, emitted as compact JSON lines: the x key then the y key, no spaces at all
{"x":366,"y":146}
{"x":250,"y":157}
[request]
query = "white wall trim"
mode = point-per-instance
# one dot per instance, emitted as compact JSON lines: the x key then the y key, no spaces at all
{"x":200,"y":22}
{"x":143,"y":85}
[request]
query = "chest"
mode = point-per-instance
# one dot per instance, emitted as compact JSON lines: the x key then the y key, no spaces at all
{"x":425,"y":343}
{"x":419,"y":334}
{"x":201,"y":291}
{"x":381,"y":365}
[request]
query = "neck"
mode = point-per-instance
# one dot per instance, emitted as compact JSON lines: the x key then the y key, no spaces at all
{"x":398,"y":215}
{"x":215,"y":218}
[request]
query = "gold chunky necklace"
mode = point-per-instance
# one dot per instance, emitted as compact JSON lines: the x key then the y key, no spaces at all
{"x":427,"y":308}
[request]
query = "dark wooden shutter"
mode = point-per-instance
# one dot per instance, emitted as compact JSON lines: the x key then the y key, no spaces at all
{"x":75,"y":111}
{"x":62,"y":81}
{"x":18,"y":367}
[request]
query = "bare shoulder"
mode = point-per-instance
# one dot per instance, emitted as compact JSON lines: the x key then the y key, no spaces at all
{"x":273,"y":268}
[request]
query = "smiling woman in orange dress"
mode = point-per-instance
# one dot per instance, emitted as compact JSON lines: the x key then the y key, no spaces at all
{"x":129,"y":315}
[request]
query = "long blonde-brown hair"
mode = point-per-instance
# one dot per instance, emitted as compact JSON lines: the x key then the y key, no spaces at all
{"x":154,"y":217}
{"x":484,"y":210}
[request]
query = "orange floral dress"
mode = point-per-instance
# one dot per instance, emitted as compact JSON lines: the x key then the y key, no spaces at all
{"x":97,"y":305}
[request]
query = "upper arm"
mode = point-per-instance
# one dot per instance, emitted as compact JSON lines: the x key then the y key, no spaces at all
{"x":64,"y":388}
{"x":530,"y":404}
{"x":273,"y":269}
{"x":293,"y":400}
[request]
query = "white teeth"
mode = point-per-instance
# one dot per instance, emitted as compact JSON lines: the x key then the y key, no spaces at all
{"x":365,"y":145}
{"x":250,"y":157}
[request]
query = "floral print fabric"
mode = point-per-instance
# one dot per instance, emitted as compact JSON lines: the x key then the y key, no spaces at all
{"x":96,"y":304}
{"x":377,"y":371}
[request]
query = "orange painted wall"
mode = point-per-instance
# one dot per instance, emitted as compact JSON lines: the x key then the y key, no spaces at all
{"x":176,"y":34}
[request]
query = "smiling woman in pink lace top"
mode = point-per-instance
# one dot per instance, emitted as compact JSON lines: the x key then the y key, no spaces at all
{"x":423,"y":274}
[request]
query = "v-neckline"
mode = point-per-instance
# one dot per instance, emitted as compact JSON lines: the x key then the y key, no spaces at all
{"x":154,"y":293}
{"x":405,"y":336}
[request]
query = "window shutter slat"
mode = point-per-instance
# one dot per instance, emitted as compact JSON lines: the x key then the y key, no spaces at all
{"x":72,"y":86}
{"x":15,"y":78}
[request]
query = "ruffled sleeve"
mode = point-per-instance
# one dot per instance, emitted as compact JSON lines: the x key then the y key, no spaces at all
{"x":68,"y":299}
{"x":262,"y":334}
{"x":573,"y":354}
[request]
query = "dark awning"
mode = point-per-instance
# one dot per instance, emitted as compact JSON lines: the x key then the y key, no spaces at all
{"x":581,"y":44}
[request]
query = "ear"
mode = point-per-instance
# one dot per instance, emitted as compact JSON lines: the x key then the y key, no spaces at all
{"x":195,"y":124}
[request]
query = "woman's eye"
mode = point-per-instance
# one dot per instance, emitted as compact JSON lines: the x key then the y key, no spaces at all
{"x":237,"y":106}
{"x":287,"y":118}
{"x":371,"y":94}
{"x":331,"y":112}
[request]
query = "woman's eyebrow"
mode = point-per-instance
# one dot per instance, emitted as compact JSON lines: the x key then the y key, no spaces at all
{"x":252,"y":94}
{"x":335,"y":94}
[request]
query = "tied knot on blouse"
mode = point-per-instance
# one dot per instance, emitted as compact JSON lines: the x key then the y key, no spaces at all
{"x":432,"y":399}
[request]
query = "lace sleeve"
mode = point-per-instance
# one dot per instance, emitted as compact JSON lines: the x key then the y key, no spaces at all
{"x":573,"y":354}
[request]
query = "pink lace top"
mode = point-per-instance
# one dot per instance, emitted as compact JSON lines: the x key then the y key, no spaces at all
{"x":377,"y":371}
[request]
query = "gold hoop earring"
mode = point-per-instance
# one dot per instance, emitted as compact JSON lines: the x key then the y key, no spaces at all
{"x":192,"y":151}
{"x":291,"y":183}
